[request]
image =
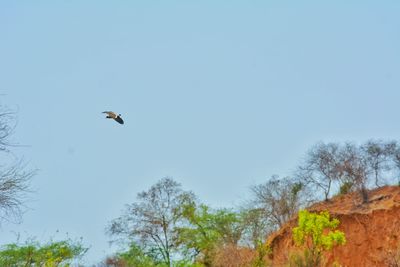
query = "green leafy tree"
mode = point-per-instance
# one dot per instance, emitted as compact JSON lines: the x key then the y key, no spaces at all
{"x":134,"y":256}
{"x":206,"y":229}
{"x":316,"y":232}
{"x":60,"y":253}
{"x":199,"y":236}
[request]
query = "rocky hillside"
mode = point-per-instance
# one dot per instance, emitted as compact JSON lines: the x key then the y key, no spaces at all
{"x":372,"y":230}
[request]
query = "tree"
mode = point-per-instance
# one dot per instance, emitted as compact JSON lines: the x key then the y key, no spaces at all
{"x":206,"y":229}
{"x":378,"y":155}
{"x":229,"y":224}
{"x":151,"y":221}
{"x":279,"y":198}
{"x":256,"y":226}
{"x":396,"y":160}
{"x":7,"y":126}
{"x":134,"y":256}
{"x":317,"y":233}
{"x":60,"y":253}
{"x":355,"y":169}
{"x":322,"y":167}
{"x":14,"y":178}
{"x":351,"y":167}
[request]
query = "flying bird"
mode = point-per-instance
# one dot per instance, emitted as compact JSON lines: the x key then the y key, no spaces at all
{"x":112,"y":115}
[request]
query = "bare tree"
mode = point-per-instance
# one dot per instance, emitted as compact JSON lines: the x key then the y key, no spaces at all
{"x":321,"y":168}
{"x":280,"y":199}
{"x":151,"y":220}
{"x":7,"y":126}
{"x":352,"y":167}
{"x":362,"y":164}
{"x":256,"y":226}
{"x":378,"y":156}
{"x":14,"y":186}
{"x":355,"y":168}
{"x":396,"y":161}
{"x":14,"y":178}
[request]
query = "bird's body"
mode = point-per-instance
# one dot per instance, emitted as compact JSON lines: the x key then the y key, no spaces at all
{"x":114,"y":116}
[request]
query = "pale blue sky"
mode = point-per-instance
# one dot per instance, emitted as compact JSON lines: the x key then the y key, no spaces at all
{"x":217,"y":94}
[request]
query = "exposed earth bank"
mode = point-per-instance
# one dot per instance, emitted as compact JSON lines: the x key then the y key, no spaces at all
{"x":372,"y":230}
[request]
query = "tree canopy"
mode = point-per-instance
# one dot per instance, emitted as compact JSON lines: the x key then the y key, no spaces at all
{"x":32,"y":253}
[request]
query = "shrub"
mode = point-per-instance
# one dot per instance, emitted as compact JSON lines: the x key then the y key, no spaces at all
{"x":317,"y":233}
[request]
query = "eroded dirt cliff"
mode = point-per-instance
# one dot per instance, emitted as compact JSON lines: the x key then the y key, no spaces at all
{"x":372,"y":230}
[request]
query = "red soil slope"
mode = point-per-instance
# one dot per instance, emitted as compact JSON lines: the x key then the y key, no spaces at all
{"x":372,"y":230}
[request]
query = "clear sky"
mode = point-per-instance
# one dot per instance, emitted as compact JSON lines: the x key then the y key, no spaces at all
{"x":220,"y":95}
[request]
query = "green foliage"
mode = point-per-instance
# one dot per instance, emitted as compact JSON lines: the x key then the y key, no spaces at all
{"x":135,"y":256}
{"x":60,"y":253}
{"x":199,"y":236}
{"x":313,"y":225}
{"x":187,"y":263}
{"x":262,"y":251}
{"x":205,"y":229}
{"x":345,"y":188}
{"x":296,"y":189}
{"x":317,"y":232}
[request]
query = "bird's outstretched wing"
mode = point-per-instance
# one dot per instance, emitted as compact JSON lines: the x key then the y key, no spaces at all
{"x":119,"y":120}
{"x":110,"y":114}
